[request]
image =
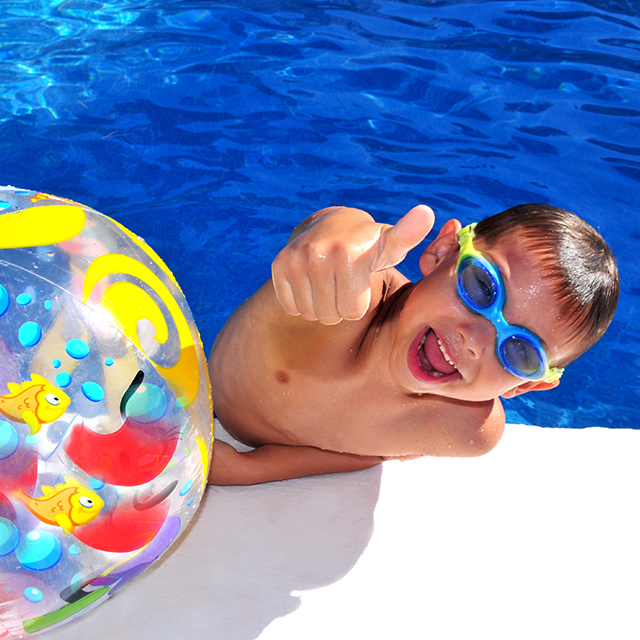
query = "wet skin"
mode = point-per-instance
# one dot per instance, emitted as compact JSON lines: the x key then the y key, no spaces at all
{"x":416,"y":375}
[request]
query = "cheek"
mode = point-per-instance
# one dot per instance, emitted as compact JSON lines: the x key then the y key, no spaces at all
{"x":501,"y":387}
{"x":495,"y":377}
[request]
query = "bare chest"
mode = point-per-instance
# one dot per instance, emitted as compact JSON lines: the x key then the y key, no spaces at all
{"x":281,"y":380}
{"x":354,"y":414}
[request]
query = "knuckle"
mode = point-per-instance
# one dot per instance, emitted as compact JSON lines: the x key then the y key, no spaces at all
{"x":280,"y":262}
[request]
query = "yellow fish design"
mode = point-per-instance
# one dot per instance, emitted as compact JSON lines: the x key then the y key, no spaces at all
{"x":34,"y":402}
{"x":68,"y":505}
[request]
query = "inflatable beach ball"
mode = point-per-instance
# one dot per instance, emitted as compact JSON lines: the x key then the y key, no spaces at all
{"x":105,"y":410}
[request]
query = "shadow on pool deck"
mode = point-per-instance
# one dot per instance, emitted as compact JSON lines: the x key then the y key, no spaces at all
{"x":242,"y":560}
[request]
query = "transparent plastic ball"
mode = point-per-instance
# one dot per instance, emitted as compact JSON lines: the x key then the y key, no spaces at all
{"x":105,"y":410}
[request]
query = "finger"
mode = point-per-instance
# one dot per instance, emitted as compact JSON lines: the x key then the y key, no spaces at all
{"x":293,"y":289}
{"x":303,"y":295}
{"x":320,"y":304}
{"x":283,"y":289}
{"x":407,"y":233}
{"x":323,"y":295}
{"x":284,"y":294}
{"x":353,"y":295}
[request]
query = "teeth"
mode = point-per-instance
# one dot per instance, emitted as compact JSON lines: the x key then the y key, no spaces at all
{"x":445,"y":354}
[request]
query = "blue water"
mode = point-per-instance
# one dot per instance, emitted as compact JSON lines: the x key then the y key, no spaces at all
{"x":211,"y":129}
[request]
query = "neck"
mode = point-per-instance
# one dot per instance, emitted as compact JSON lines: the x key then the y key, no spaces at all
{"x":385,"y":318}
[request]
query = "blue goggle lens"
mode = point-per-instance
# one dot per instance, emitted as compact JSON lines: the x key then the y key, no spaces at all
{"x":476,"y":285}
{"x":521,"y":356}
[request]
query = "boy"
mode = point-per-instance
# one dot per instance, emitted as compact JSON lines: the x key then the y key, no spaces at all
{"x":339,"y":362}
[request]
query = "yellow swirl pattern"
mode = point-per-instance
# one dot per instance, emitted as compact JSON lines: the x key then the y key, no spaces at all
{"x":40,"y":226}
{"x":127,"y":304}
{"x":147,"y":249}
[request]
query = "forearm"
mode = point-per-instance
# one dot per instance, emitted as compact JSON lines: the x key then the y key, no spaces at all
{"x":271,"y":463}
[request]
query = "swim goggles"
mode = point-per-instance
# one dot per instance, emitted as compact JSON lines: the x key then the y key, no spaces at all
{"x":481,"y":289}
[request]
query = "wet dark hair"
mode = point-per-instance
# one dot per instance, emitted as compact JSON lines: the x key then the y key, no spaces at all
{"x":574,"y":257}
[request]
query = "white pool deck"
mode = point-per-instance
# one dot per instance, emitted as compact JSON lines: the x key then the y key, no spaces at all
{"x":538,"y":539}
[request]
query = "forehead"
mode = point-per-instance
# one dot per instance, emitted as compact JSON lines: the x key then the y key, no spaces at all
{"x":531,"y":300}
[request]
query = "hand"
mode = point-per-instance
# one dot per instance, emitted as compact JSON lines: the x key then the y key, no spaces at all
{"x":324,"y":272}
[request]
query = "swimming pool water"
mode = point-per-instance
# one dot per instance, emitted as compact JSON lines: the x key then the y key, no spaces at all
{"x":211,"y":129}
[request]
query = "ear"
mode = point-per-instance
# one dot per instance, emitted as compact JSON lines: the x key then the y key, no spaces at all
{"x":525,"y":387}
{"x":444,"y":245}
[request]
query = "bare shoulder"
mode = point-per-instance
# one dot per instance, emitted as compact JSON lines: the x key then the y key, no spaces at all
{"x":480,"y":429}
{"x":492,"y":428}
{"x":450,"y":428}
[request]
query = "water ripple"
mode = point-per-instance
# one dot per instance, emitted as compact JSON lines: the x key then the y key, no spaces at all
{"x":211,"y":129}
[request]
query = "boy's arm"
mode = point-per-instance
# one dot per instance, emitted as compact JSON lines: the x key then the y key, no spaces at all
{"x":324,"y":272}
{"x":273,"y":462}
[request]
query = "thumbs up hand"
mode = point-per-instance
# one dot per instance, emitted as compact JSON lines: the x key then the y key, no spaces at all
{"x":324,"y":271}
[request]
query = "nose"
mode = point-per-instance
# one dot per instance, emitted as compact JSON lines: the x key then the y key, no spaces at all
{"x":476,"y":336}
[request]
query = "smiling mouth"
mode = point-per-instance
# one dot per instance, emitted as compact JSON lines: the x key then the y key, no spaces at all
{"x":433,"y":361}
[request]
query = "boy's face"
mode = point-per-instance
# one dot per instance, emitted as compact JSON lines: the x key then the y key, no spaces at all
{"x":441,"y":347}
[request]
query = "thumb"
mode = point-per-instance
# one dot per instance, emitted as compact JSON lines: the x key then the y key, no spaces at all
{"x":396,"y":241}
